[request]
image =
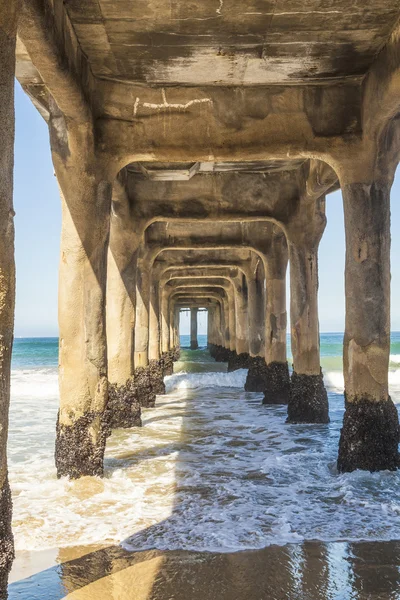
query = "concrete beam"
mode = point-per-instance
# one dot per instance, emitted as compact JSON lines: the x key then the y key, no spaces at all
{"x":55,"y":60}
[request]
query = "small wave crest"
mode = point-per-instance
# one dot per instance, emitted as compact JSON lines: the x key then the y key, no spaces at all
{"x":334,"y":381}
{"x":34,"y":383}
{"x":182,"y":381}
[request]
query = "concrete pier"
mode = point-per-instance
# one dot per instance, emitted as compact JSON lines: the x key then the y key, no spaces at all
{"x":82,"y":426}
{"x":277,"y":389}
{"x":8,"y":27}
{"x":192,"y":187}
{"x":257,"y":377}
{"x":194,"y":344}
{"x":123,"y":405}
{"x":143,"y":374}
{"x":308,"y":401}
{"x":370,"y":435}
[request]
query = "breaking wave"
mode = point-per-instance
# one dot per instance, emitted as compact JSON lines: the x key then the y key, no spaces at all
{"x":180,"y":381}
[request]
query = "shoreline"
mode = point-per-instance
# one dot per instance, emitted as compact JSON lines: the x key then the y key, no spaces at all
{"x":303,"y":571}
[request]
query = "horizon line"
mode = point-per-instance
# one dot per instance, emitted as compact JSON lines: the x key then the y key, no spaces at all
{"x":55,"y":337}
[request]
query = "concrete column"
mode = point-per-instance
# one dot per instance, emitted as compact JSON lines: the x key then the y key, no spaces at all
{"x":220,"y":346}
{"x":230,"y":322}
{"x":194,"y":344}
{"x":218,"y":325}
{"x":123,"y":404}
{"x":142,"y":316}
{"x":241,"y":306}
{"x":121,"y":285}
{"x":145,"y":393}
{"x":82,"y":426}
{"x":370,"y":435}
{"x":166,"y":354}
{"x":176,"y":327}
{"x":8,"y":26}
{"x":256,"y":312}
{"x":165,"y":343}
{"x":257,"y":376}
{"x":154,"y":326}
{"x":277,"y":390}
{"x":172,"y":325}
{"x":175,"y":332}
{"x":210,"y":327}
{"x":155,"y":363}
{"x":217,"y":328}
{"x":308,"y":401}
{"x":240,"y":358}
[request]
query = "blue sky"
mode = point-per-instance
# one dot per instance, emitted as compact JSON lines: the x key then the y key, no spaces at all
{"x":38,"y":223}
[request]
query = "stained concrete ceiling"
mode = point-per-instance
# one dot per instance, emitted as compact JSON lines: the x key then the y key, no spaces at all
{"x":157,"y":171}
{"x":231,"y":42}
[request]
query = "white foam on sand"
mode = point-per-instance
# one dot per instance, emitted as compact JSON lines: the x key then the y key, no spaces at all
{"x":212,"y":469}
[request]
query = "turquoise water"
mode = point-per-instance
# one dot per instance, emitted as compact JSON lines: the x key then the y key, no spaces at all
{"x":35,"y":352}
{"x":43,"y":352}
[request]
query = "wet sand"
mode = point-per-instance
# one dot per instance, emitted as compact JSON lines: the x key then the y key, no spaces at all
{"x":308,"y":571}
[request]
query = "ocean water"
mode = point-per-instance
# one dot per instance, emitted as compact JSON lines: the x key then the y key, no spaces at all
{"x":211,"y":469}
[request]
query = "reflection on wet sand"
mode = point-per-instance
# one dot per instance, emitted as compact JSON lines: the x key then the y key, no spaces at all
{"x":308,"y":571}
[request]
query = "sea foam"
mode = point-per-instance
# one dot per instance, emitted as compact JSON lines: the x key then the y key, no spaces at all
{"x":183,"y":380}
{"x":211,"y":469}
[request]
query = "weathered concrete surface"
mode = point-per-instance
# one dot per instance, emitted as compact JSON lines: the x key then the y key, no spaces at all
{"x":157,"y":377}
{"x":370,"y":437}
{"x":167,"y":363}
{"x":273,"y":192}
{"x":123,"y":406}
{"x":121,"y":287}
{"x":78,"y":453}
{"x":370,"y":434}
{"x":234,"y":45}
{"x":257,"y":376}
{"x":164,"y":273}
{"x":241,"y":313}
{"x":86,"y":203}
{"x":276,"y":260}
{"x":141,"y":356}
{"x":238,"y":361}
{"x":8,"y":23}
{"x":328,"y":59}
{"x":165,"y":346}
{"x":308,"y":401}
{"x":154,"y":322}
{"x":256,"y":308}
{"x":219,"y":353}
{"x":277,"y":389}
{"x":175,"y":333}
{"x":185,"y":297}
{"x":144,"y":392}
{"x":252,"y":266}
{"x":194,"y":344}
{"x":176,"y":353}
{"x":238,"y":322}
